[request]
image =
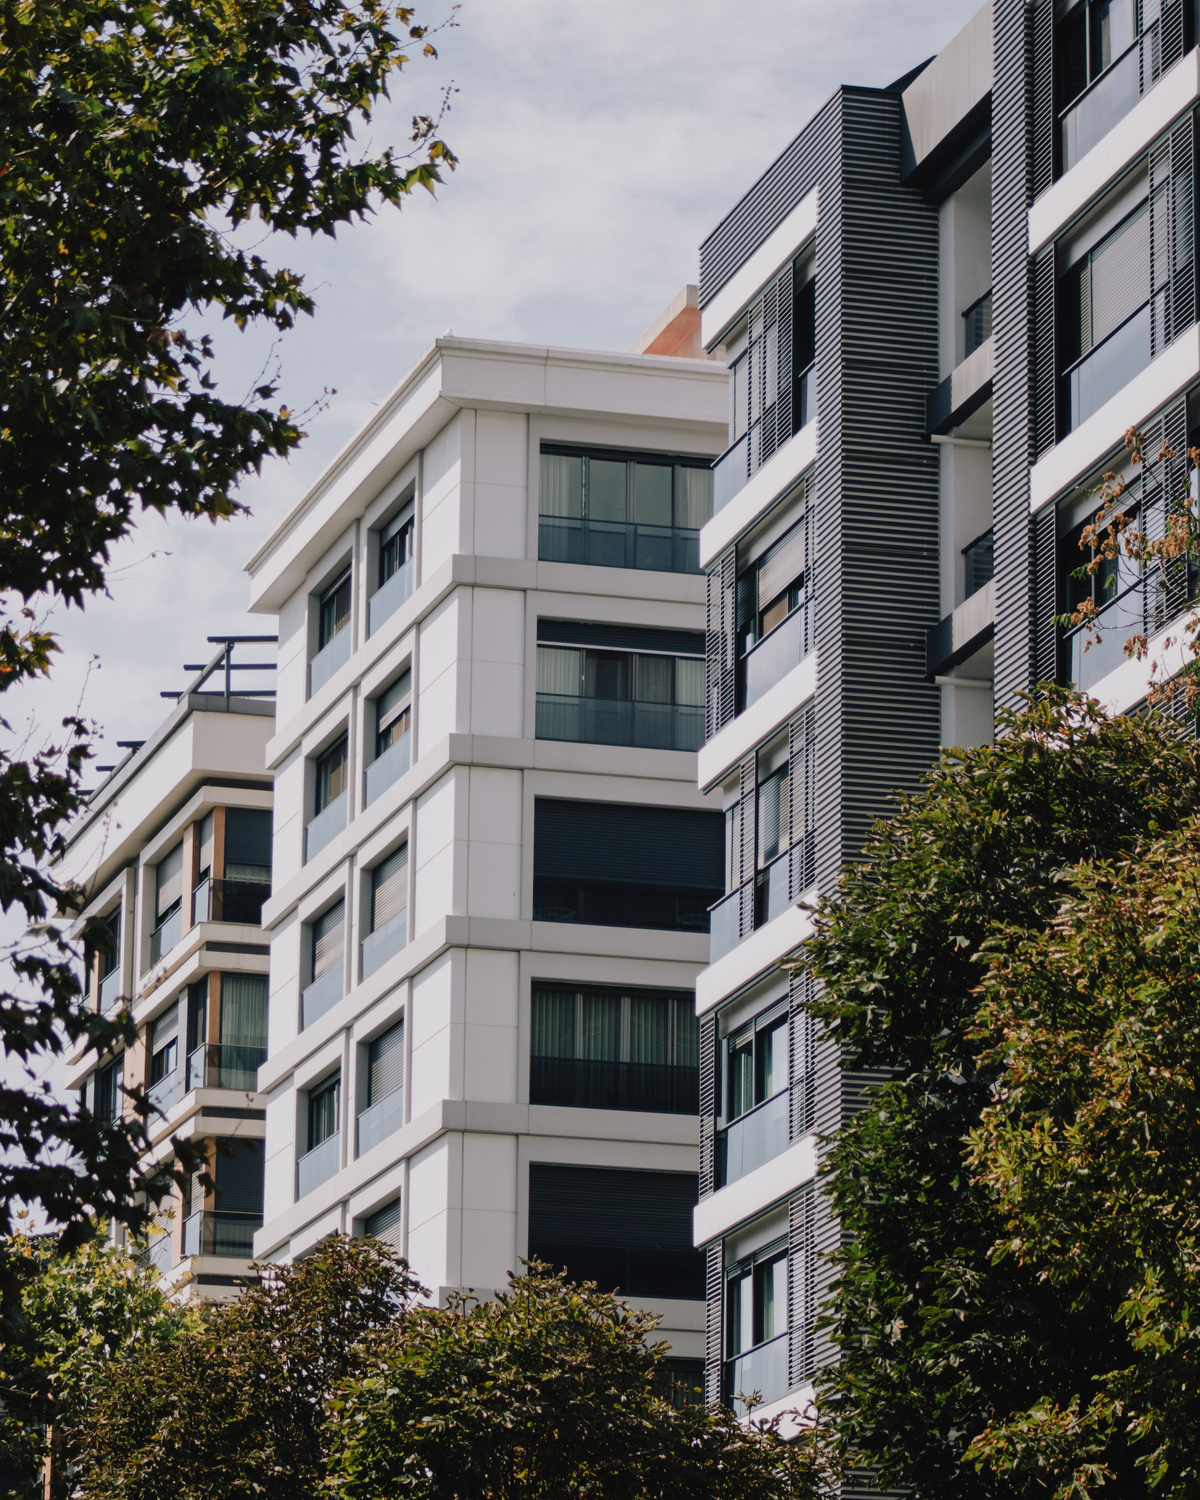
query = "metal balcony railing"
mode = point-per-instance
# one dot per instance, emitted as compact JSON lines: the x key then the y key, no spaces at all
{"x":587,"y":1083}
{"x":378,"y":1121}
{"x":334,"y":654}
{"x":222,"y":1065}
{"x":388,"y":599}
{"x":761,"y":1372}
{"x":318,"y":1165}
{"x":220,"y":1233}
{"x":230,"y":901}
{"x":613,"y":721}
{"x":386,"y":769}
{"x":759,"y":1135}
{"x":326,"y":826}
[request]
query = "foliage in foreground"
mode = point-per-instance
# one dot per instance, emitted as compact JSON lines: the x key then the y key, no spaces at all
{"x":137,"y":137}
{"x":1092,"y":1148}
{"x":937,"y":1338}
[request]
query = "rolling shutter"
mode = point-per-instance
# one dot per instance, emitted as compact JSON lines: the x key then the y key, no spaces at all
{"x":327,"y":937}
{"x":239,"y":1178}
{"x":247,"y":836}
{"x":168,"y":878}
{"x":614,"y":841}
{"x":389,"y":887}
{"x":384,"y":1223}
{"x":385,"y":1064}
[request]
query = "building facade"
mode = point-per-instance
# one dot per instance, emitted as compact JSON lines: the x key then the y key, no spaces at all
{"x":174,"y":858}
{"x":492,"y":863}
{"x":941,"y":309}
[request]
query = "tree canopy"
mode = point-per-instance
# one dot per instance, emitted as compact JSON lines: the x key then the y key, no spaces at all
{"x":937,"y":1337}
{"x":143,"y":143}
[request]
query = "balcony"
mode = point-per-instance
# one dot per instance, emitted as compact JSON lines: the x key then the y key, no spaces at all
{"x":388,"y":599}
{"x":771,"y":659}
{"x":166,"y":935}
{"x":318,"y":1165}
{"x":605,"y":903}
{"x":612,"y":721}
{"x":977,"y":321}
{"x":379,"y":1121}
{"x":1090,"y":660}
{"x":733,"y":470}
{"x":384,"y":943}
{"x":1107,"y":368}
{"x":618,"y":544}
{"x":163,"y":1094}
{"x":585,"y":1083}
{"x":110,"y":989}
{"x":321,"y":995}
{"x":159,"y":1253}
{"x":761,"y":1372}
{"x":753,"y":1138}
{"x":762,"y":899}
{"x":386,"y":769}
{"x":1109,"y":100}
{"x":230,"y":901}
{"x":326,"y":826}
{"x":225,"y":1066}
{"x":335,"y":654}
{"x":222,"y":1234}
{"x":979,"y":565}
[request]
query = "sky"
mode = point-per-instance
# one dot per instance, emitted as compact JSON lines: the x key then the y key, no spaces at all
{"x":598,"y":145}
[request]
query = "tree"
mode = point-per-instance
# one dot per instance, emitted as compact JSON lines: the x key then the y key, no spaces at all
{"x":235,"y":1408}
{"x":138,"y":140}
{"x":1092,"y":1148}
{"x":77,"y":1315}
{"x":936,"y":1339}
{"x":549,"y":1390}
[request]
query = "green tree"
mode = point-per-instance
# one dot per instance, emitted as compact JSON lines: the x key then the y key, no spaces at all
{"x":77,"y":1314}
{"x":142,"y":144}
{"x":1092,"y":1149}
{"x":937,"y":1339}
{"x":550,"y":1390}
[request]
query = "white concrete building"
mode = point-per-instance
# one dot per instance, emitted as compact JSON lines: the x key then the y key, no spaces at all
{"x":492,"y":861}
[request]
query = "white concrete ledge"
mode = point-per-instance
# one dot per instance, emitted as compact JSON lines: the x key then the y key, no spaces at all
{"x":753,"y":1194}
{"x":1110,"y":157}
{"x":752,"y":275}
{"x":755,"y":955}
{"x":741,"y":735}
{"x":1082,"y":451}
{"x":760,"y":492}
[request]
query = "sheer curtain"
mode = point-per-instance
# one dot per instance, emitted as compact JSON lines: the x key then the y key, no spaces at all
{"x":649,"y":1029}
{"x":553,"y":1023}
{"x":559,"y":670}
{"x":600,"y":1031}
{"x":561,"y":492}
{"x":244,"y":1010}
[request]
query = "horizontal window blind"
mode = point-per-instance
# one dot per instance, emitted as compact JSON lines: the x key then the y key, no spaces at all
{"x":1115,"y":280}
{"x":327,"y":939}
{"x":165,"y":1027}
{"x":782,"y":565}
{"x":621,"y":637}
{"x":168,"y":878}
{"x":239,"y":1177}
{"x":384,"y":1223}
{"x":663,"y":846}
{"x":206,"y":843}
{"x":389,"y":887}
{"x":385,"y":1064}
{"x":397,"y":524}
{"x":393,"y":700}
{"x":247,"y":836}
{"x":601,"y":1207}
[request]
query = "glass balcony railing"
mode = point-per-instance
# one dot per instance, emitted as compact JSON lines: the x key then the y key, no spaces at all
{"x":979,"y":563}
{"x":318,"y":1165}
{"x":772,"y":888}
{"x":761,"y":1372}
{"x":326,"y":826}
{"x":230,"y":901}
{"x":219,"y":1233}
{"x":772,"y":658}
{"x":163,"y":1094}
{"x":613,"y":721}
{"x":321,"y":995}
{"x":385,"y":942}
{"x":386,"y":769}
{"x":1108,"y":101}
{"x":588,"y":1083}
{"x":1091,"y":660}
{"x":1107,"y":368}
{"x":725,"y":923}
{"x":762,"y":899}
{"x":334,"y":654}
{"x":110,"y":989}
{"x":753,"y":1138}
{"x":160,"y":1253}
{"x":977,"y":321}
{"x":379,"y":1121}
{"x":166,"y":935}
{"x":618,"y":544}
{"x":730,"y":472}
{"x":223,"y":1065}
{"x":390,"y":596}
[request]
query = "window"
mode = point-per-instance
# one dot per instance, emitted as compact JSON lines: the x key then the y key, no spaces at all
{"x":396,"y":569}
{"x":330,"y":783}
{"x":650,"y":694}
{"x":387,"y":911}
{"x":164,"y":1058}
{"x":334,"y":611}
{"x":320,"y":1162}
{"x":382,"y":1113}
{"x":239,"y":896}
{"x":617,"y":511}
{"x":384,"y":1223}
{"x":108,"y":962}
{"x":757,"y":1061}
{"x":331,"y":775}
{"x":629,"y":1231}
{"x":625,"y":866}
{"x":756,"y":1068}
{"x":756,"y":1324}
{"x":611,"y":1049}
{"x":168,"y":903}
{"x":327,"y":967}
{"x":393,"y":723}
{"x":227,"y":1229}
{"x":243,"y":1031}
{"x":106,"y":1092}
{"x":773,"y":617}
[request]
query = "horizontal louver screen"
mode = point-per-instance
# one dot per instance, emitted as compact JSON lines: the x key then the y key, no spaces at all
{"x":1120,"y":275}
{"x":247,"y":836}
{"x":169,"y":879}
{"x":621,"y":637}
{"x":389,"y":888}
{"x":614,"y":841}
{"x":327,"y":939}
{"x":386,"y":1064}
{"x":240,"y":1178}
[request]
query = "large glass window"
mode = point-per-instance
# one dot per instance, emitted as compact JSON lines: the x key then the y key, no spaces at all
{"x":320,"y":1162}
{"x":396,"y":576}
{"x":168,"y":903}
{"x":1106,"y":56}
{"x":106,"y":1098}
{"x":334,"y":610}
{"x":382,"y":1111}
{"x":164,"y":1058}
{"x":598,"y":1048}
{"x":239,"y":894}
{"x":756,"y":1325}
{"x":617,"y":511}
{"x":332,"y":769}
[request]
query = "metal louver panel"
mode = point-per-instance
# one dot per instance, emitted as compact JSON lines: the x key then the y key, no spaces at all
{"x":801,"y":1287}
{"x":720,"y":643}
{"x":1044,"y":349}
{"x":1042,"y":99}
{"x":712,"y":1324}
{"x":748,"y":824}
{"x":783,"y":563}
{"x":802,"y":786}
{"x":708,"y":1102}
{"x":1045,"y":594}
{"x":801,"y":1036}
{"x":1172,"y":32}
